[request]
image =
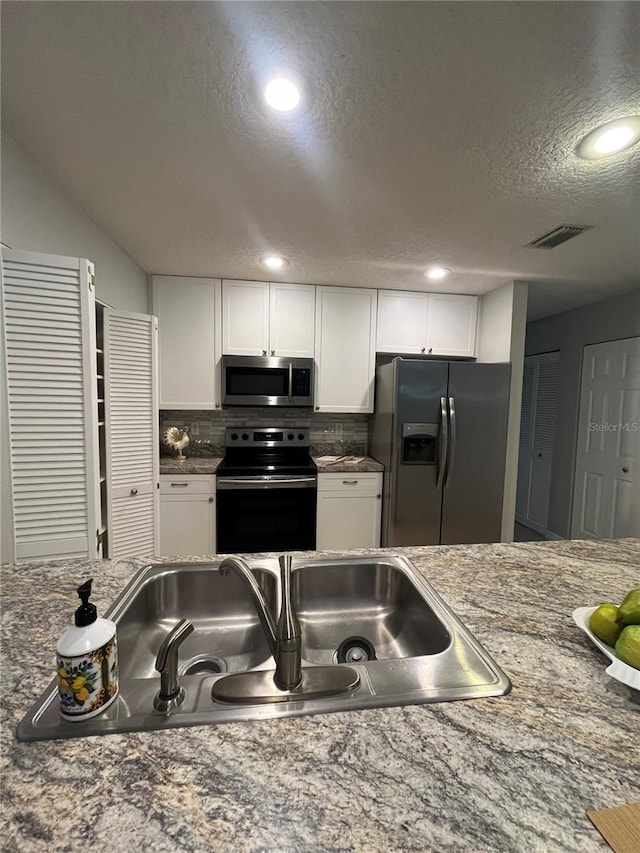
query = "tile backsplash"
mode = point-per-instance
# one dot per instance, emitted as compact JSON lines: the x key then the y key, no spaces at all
{"x":330,"y":433}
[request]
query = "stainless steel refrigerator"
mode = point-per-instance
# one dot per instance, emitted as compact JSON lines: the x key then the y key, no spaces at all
{"x":440,"y":430}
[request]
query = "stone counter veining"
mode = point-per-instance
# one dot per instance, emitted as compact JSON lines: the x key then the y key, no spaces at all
{"x":368,"y":465}
{"x":209,"y":465}
{"x":190,"y":465}
{"x":515,"y":773}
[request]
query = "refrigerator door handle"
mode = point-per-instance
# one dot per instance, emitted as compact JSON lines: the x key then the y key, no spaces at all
{"x":444,"y":441}
{"x":452,"y":453}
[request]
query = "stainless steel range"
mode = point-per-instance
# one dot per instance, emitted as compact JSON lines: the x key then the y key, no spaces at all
{"x":266,"y":491}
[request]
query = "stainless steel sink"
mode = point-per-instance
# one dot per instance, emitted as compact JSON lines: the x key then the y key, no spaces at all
{"x":378,"y":615}
{"x":227,"y":636}
{"x":376,"y":601}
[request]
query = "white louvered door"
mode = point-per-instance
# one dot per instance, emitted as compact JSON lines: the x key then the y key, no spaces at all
{"x":537,"y":437}
{"x":130,"y":353}
{"x":49,"y":330}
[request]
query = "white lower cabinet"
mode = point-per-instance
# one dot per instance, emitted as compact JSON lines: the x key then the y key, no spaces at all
{"x":349,"y":508}
{"x":187,"y":515}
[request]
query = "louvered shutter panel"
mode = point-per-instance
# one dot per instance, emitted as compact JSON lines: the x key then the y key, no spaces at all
{"x":49,"y":327}
{"x":546,"y":403}
{"x":132,"y":432}
{"x":527,"y":403}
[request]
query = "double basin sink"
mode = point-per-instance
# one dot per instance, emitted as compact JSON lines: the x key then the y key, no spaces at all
{"x":375,"y":615}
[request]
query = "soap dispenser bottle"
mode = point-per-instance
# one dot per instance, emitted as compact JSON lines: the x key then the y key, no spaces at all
{"x":87,"y":658}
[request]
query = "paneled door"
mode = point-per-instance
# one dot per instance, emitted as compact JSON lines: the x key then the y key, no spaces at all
{"x":605,"y":504}
{"x":537,"y":436}
{"x":131,"y":422}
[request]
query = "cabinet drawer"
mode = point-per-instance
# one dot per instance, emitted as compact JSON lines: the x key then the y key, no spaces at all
{"x":352,"y":483}
{"x":201,"y":484}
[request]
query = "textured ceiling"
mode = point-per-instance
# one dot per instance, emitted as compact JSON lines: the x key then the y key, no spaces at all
{"x":431,"y":133}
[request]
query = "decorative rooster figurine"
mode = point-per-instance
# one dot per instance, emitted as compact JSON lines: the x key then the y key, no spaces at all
{"x":178,"y":439}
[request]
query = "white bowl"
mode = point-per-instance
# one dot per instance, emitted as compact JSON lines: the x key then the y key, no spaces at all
{"x":618,"y":669}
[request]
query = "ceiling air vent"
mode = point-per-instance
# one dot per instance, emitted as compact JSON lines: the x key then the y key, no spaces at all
{"x":559,"y":235}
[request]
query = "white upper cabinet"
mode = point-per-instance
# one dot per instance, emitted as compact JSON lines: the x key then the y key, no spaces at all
{"x":189,"y":326}
{"x":345,"y":349}
{"x":262,"y":318}
{"x":402,"y":321}
{"x":451,"y":324}
{"x":245,"y":317}
{"x":292,"y":320}
{"x":429,"y":323}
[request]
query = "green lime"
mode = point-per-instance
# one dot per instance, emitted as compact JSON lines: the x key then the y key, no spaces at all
{"x":629,"y":610}
{"x":628,"y":645}
{"x":603,"y":623}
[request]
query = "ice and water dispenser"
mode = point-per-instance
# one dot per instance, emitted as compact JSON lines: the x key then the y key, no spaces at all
{"x":419,"y":444}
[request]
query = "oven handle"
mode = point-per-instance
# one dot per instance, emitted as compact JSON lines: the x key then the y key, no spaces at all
{"x":266,"y":483}
{"x":290,"y":381}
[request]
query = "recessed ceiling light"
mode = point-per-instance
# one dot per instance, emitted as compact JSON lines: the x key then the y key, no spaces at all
{"x":610,"y":138}
{"x":282,"y":94}
{"x":275,"y":262}
{"x":437,"y":272}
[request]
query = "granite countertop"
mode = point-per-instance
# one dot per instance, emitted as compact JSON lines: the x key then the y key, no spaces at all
{"x":190,"y":465}
{"x":515,"y":773}
{"x":368,"y":465}
{"x":209,"y":465}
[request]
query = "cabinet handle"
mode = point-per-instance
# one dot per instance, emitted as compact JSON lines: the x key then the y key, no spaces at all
{"x":379,"y":496}
{"x":217,"y":405}
{"x":133,"y":492}
{"x":179,"y":484}
{"x":264,"y":352}
{"x":317,"y":408}
{"x":210,"y":500}
{"x":423,"y":349}
{"x":349,"y":482}
{"x":273,"y":352}
{"x":625,"y":470}
{"x":430,"y":349}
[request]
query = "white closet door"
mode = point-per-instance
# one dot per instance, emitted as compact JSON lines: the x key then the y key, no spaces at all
{"x":608,"y":442}
{"x":49,"y":332}
{"x":131,"y":432}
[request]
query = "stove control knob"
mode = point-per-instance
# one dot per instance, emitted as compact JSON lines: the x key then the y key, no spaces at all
{"x":245,"y":436}
{"x":300,"y":436}
{"x":290,"y":436}
{"x":234,"y":436}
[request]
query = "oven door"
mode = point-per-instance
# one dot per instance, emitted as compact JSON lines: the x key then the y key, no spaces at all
{"x":270,"y":513}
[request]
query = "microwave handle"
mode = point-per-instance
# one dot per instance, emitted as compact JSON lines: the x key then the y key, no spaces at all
{"x":290,"y":381}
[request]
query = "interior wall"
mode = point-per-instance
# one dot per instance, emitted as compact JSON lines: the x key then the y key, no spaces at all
{"x":502,"y":324}
{"x":569,"y":332}
{"x":38,"y":216}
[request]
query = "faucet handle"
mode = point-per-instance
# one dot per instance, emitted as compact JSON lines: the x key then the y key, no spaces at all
{"x":171,"y":695}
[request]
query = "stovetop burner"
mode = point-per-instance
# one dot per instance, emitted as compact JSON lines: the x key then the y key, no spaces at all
{"x":254,"y":452}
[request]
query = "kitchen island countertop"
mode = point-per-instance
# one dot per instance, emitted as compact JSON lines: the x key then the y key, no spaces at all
{"x":515,"y":773}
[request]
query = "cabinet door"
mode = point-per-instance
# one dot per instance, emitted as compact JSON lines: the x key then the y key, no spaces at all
{"x":48,"y":313}
{"x":245,"y":317}
{"x":131,"y":423}
{"x":345,"y":349}
{"x":402,"y":321}
{"x":451,"y":324}
{"x":187,"y":525}
{"x":189,"y":325}
{"x":347,"y":521}
{"x":292,"y":320}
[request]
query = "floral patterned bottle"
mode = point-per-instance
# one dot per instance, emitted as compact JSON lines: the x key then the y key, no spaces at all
{"x":87,"y":656}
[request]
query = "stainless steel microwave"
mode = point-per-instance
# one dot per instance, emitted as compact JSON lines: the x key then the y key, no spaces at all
{"x":263,"y":381}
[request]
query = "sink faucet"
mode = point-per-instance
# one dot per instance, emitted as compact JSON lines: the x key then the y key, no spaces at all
{"x":284,"y":638}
